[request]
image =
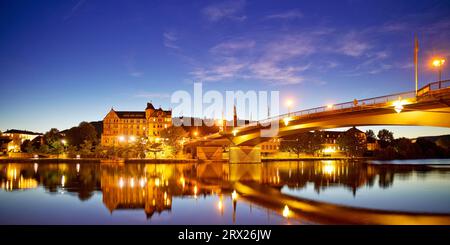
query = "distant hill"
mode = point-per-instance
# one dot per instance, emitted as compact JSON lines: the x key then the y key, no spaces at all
{"x":441,"y":140}
{"x":98,"y":125}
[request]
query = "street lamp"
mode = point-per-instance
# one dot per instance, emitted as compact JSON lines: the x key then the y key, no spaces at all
{"x":289,"y":103}
{"x":398,"y":105}
{"x":121,"y":138}
{"x":438,"y":63}
{"x":235,"y":131}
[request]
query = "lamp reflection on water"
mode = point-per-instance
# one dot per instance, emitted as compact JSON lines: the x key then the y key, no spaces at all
{"x":286,"y":211}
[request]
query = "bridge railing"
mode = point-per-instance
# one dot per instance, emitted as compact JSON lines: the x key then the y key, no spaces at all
{"x":361,"y":103}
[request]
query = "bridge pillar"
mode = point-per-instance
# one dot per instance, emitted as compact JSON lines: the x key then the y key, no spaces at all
{"x":209,"y":152}
{"x":245,"y":154}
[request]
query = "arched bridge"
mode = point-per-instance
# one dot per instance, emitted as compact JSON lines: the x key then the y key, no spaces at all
{"x":429,"y":107}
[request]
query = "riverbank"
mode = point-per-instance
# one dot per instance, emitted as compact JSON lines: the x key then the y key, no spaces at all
{"x":269,"y":159}
{"x":91,"y":160}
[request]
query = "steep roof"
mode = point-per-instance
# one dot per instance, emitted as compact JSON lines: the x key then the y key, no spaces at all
{"x":158,"y":111}
{"x":150,"y":106}
{"x":17,"y":131}
{"x":130,"y":114}
{"x":355,"y":130}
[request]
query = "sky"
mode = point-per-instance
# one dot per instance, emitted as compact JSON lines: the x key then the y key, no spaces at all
{"x":63,"y":62}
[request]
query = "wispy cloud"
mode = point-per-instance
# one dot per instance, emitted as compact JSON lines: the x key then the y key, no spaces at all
{"x":269,"y":63}
{"x":225,"y":10}
{"x":130,"y":63}
{"x":169,"y":40}
{"x":353,"y":45}
{"x":229,"y":47}
{"x":288,"y":15}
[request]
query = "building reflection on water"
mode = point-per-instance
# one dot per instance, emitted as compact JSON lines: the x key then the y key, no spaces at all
{"x":152,"y":187}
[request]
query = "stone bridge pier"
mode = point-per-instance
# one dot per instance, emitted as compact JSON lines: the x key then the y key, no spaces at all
{"x":245,"y":154}
{"x":236,"y":154}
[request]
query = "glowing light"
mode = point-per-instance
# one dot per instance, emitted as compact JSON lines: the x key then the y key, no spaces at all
{"x":286,"y":120}
{"x":235,"y":131}
{"x":63,"y":180}
{"x":121,"y":183}
{"x":438,"y":62}
{"x":195,"y":133}
{"x":328,"y":150}
{"x":329,"y":168}
{"x":78,"y":167}
{"x":286,"y":211}
{"x":330,"y":106}
{"x":132,"y":138}
{"x":63,"y":141}
{"x":234,"y":195}
{"x":398,"y":105}
{"x":220,"y":204}
{"x":289,"y":102}
{"x":182,"y":181}
{"x":142,"y":183}
{"x":36,"y":166}
{"x":121,"y":138}
{"x":157,"y":182}
{"x":195,"y":191}
{"x":35,"y":156}
{"x":132,"y":182}
{"x":165,"y":195}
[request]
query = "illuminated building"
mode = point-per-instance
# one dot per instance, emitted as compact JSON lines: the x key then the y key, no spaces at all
{"x":270,"y":147}
{"x":18,"y":137}
{"x":121,"y":127}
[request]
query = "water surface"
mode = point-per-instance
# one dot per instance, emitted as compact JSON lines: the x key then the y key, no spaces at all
{"x":88,"y":193}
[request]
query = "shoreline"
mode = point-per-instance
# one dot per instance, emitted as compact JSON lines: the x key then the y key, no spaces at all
{"x":151,"y":160}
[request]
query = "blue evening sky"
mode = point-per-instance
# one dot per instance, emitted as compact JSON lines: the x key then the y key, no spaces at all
{"x":62,"y":62}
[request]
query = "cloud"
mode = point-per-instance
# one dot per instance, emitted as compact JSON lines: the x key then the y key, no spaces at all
{"x":270,"y":62}
{"x":229,"y":69}
{"x":353,"y":45}
{"x":130,"y":63}
{"x":225,"y":10}
{"x":288,"y":15}
{"x":233,"y":46}
{"x":136,"y":74}
{"x":153,"y":95}
{"x":169,"y":40}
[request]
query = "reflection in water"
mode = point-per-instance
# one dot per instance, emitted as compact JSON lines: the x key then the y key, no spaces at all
{"x":153,"y":187}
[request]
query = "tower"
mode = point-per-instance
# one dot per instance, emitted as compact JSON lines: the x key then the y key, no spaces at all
{"x":234,"y":117}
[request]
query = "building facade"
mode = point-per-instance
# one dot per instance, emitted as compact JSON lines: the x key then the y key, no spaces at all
{"x":123,"y":127}
{"x":17,"y":137}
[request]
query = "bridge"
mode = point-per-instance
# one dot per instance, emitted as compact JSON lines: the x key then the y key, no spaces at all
{"x":430,"y":106}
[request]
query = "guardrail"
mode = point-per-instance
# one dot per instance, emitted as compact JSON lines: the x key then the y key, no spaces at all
{"x":364,"y":102}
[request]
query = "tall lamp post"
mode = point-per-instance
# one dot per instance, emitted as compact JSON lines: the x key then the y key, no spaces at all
{"x":438,"y":63}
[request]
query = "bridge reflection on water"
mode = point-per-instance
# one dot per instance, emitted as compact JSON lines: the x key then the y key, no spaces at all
{"x":153,"y":187}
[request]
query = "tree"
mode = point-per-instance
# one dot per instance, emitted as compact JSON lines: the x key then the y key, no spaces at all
{"x":86,"y":148}
{"x":26,"y":146}
{"x":292,"y":145}
{"x":52,"y":136}
{"x":173,"y":136}
{"x":351,"y":144}
{"x":307,"y":142}
{"x":84,"y":131}
{"x":371,"y":137}
{"x":155,"y":148}
{"x":386,"y":137}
